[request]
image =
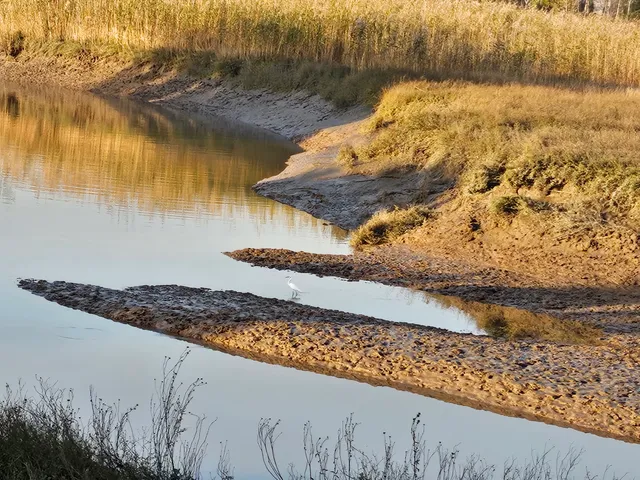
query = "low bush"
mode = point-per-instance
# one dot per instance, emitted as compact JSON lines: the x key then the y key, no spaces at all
{"x":508,"y":205}
{"x":386,"y":226}
{"x":43,"y":438}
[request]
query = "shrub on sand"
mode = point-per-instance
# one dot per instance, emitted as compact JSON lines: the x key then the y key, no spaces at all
{"x":385,"y":226}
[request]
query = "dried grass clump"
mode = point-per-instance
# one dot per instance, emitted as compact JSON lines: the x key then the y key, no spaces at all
{"x":508,"y":205}
{"x":347,"y":156}
{"x":386,"y":226}
{"x":12,"y":43}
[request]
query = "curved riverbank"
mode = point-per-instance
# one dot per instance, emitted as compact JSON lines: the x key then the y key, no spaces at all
{"x":293,"y":115}
{"x":478,"y":218}
{"x":461,"y":251}
{"x":548,"y":382}
{"x":615,"y":311}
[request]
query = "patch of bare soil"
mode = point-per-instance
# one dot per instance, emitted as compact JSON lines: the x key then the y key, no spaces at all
{"x":594,"y":388}
{"x":560,"y":255}
{"x":315,"y":183}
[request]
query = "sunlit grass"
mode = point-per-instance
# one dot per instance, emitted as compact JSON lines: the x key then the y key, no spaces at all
{"x":386,"y":226}
{"x":452,"y":37}
{"x":515,"y":149}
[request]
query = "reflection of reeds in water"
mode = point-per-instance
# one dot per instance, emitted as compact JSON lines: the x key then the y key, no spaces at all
{"x":6,"y":193}
{"x":517,"y":324}
{"x":132,"y":156}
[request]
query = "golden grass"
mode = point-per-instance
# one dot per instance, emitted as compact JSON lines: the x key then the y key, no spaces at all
{"x":444,"y":37}
{"x":539,"y":149}
{"x":347,"y":156}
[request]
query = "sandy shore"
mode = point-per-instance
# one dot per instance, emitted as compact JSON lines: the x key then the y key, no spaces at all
{"x":593,"y":388}
{"x":615,"y":310}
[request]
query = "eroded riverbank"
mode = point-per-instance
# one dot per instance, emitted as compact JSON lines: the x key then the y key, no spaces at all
{"x":293,"y":115}
{"x":464,"y":227}
{"x":592,"y":388}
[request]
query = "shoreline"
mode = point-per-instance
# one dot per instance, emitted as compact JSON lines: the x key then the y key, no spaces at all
{"x":613,"y":311}
{"x":475,"y":371}
{"x":453,"y":261}
{"x":292,"y":115}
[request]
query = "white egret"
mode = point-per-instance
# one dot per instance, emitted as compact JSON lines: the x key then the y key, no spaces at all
{"x":295,"y":291}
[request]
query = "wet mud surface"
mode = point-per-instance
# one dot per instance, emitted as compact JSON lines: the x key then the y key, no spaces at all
{"x":615,"y":310}
{"x":591,"y":387}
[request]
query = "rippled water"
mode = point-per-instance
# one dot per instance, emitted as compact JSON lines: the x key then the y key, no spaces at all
{"x":114,"y":193}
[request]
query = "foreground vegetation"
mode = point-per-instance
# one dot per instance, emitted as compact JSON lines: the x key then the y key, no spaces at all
{"x":44,"y":438}
{"x":547,"y":153}
{"x":458,"y":38}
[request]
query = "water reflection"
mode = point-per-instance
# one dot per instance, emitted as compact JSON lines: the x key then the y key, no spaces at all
{"x":514,"y":323}
{"x":134,"y":157}
{"x":6,"y":192}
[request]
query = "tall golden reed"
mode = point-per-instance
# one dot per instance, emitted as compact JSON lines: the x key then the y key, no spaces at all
{"x":437,"y":36}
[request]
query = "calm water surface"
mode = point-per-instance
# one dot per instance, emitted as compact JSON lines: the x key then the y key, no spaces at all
{"x":113,"y":193}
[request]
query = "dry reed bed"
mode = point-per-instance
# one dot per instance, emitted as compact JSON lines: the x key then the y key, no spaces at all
{"x":458,"y":37}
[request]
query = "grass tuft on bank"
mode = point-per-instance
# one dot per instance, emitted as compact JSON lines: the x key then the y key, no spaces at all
{"x":388,"y":225}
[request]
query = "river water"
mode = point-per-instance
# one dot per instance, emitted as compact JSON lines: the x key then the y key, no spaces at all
{"x":114,"y":193}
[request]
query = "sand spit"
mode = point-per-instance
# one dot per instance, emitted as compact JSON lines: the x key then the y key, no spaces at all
{"x":593,"y":388}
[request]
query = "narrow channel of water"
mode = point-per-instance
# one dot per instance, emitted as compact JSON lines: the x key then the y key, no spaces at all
{"x":113,"y":193}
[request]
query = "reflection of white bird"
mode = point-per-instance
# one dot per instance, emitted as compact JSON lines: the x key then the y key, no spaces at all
{"x":295,"y":291}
